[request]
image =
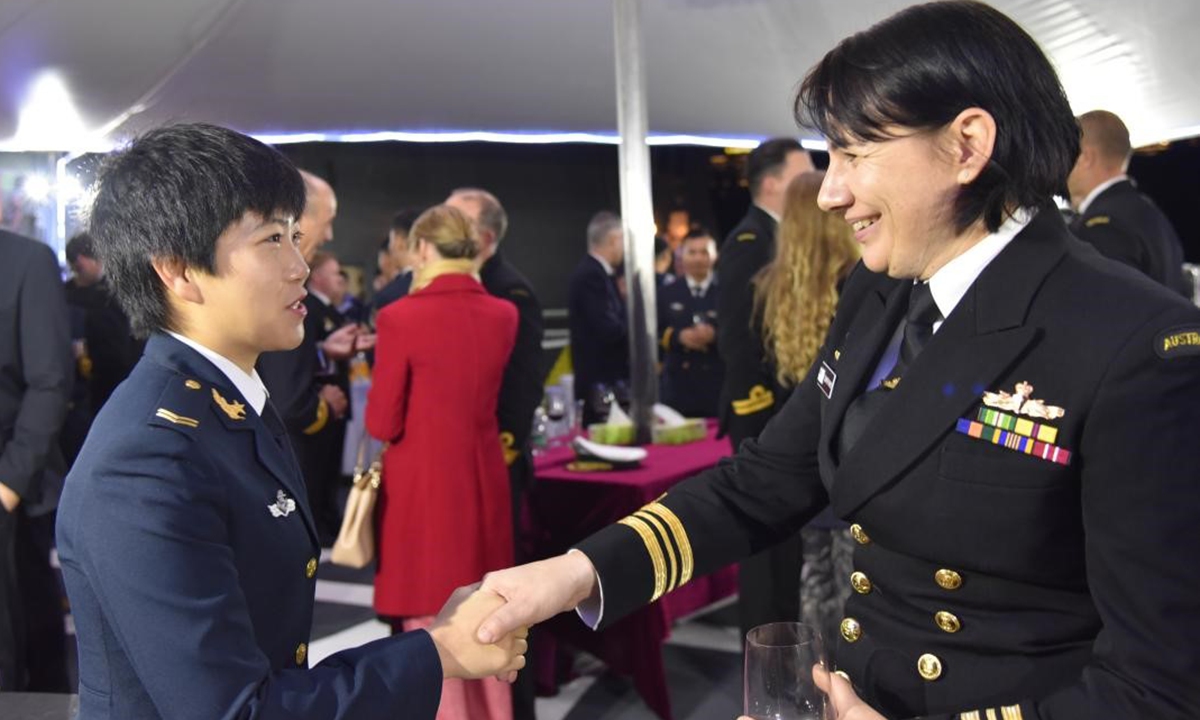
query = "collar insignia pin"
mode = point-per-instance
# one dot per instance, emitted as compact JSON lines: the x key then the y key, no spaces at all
{"x":1022,"y":403}
{"x":235,"y":410}
{"x":283,"y":505}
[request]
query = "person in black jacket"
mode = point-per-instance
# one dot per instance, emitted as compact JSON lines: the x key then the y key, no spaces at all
{"x":399,"y":252}
{"x":596,"y":317}
{"x":36,"y":373}
{"x":1112,"y":215}
{"x":1007,"y":419}
{"x":687,"y":330}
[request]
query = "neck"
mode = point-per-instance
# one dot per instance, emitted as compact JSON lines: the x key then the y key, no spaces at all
{"x":699,"y":279}
{"x":959,"y":245}
{"x":244,"y":359}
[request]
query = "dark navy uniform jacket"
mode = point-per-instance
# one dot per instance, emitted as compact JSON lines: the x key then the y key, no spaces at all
{"x":691,"y":379}
{"x":750,"y":394}
{"x":190,"y":558}
{"x":1051,"y":576}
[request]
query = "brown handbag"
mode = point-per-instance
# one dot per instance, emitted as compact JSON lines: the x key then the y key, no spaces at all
{"x":355,"y":544}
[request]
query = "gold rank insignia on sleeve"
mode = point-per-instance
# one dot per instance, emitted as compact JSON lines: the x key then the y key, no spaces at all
{"x":176,"y":419}
{"x":235,"y":410}
{"x":666,"y":543}
{"x":746,"y":237}
{"x":507,"y":441}
{"x":1098,"y":220}
{"x":322,"y":418}
{"x":1006,"y":712}
{"x":758,"y":400}
{"x":1178,"y":342}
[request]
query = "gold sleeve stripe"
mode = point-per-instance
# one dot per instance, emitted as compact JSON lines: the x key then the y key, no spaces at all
{"x":672,"y":563}
{"x":177,"y":419}
{"x":666,"y":338}
{"x":679,"y":535}
{"x":1011,"y":712}
{"x":654,"y":550}
{"x":322,"y":418}
{"x":758,"y":400}
{"x":991,"y":714}
{"x":973,"y":715}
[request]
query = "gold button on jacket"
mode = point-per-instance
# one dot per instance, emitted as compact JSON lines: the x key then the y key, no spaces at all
{"x":947,"y":621}
{"x":860,"y":536}
{"x":948,"y":579}
{"x":929,"y":666}
{"x":851,"y":630}
{"x":860,"y":582}
{"x":301,"y":653}
{"x":310,"y":570}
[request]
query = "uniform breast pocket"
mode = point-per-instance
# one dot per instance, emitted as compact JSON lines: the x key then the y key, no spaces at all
{"x":975,"y":462}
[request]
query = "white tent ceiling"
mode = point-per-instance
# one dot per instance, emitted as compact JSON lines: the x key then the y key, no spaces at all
{"x":70,"y":69}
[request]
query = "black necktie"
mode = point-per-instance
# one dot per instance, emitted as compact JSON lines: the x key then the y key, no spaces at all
{"x":697,"y":292}
{"x":274,"y":423}
{"x":918,"y":328}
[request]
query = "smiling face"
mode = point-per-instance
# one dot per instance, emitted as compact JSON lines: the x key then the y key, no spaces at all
{"x":253,"y":304}
{"x":898,"y":196}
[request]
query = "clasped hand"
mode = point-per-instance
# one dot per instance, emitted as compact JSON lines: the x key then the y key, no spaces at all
{"x":454,"y":634}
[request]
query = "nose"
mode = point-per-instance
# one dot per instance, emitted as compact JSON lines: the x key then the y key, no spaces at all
{"x":834,"y":195}
{"x":298,"y":270}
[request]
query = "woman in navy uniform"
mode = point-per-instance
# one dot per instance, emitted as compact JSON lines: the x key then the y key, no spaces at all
{"x":1007,"y":418}
{"x":187,"y":546}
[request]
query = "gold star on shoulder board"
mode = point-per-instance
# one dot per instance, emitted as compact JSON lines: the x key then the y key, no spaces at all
{"x":235,"y":410}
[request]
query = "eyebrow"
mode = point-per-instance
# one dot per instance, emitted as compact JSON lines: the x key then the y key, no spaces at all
{"x":273,"y":221}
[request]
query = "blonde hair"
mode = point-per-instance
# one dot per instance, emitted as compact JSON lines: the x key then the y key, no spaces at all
{"x":448,"y":230}
{"x":796,"y":294}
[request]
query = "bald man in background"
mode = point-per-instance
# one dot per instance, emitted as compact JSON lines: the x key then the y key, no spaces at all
{"x":313,"y":410}
{"x":1113,"y":216}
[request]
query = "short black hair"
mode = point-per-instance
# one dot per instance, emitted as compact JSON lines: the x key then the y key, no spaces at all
{"x":768,"y":158}
{"x":170,"y":194}
{"x":660,"y":245}
{"x":80,"y":246}
{"x":921,"y":67}
{"x":402,"y":221}
{"x":699,"y":231}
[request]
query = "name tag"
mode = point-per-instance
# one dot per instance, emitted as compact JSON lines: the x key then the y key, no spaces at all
{"x":826,"y":377}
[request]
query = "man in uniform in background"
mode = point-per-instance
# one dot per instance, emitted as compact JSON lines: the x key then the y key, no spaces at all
{"x":687,"y":326}
{"x":768,"y":583}
{"x":1113,"y":216}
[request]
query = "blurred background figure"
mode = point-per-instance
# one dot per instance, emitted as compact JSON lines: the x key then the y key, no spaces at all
{"x":768,"y":586}
{"x":385,"y":269}
{"x":795,"y":297}
{"x":687,"y":311}
{"x":35,"y":383}
{"x":400,"y":259}
{"x":1112,"y":215}
{"x":596,"y":317}
{"x":445,"y":515}
{"x":664,"y":264}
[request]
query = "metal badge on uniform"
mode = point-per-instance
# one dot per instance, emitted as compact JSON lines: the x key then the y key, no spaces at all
{"x":283,"y":505}
{"x":826,"y":377}
{"x":676,"y":307}
{"x":1016,"y":431}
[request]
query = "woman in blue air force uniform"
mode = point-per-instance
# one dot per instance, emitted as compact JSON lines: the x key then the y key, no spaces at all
{"x":187,"y":547}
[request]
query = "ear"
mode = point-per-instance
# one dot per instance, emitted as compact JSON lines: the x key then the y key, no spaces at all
{"x":177,"y":277}
{"x":973,"y":134}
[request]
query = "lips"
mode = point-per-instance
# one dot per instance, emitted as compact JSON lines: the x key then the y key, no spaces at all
{"x":862,"y":224}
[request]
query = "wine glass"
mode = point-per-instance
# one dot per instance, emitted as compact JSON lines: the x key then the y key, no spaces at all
{"x":778,"y":681}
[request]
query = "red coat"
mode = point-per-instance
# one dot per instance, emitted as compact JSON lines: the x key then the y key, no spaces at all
{"x":445,"y":514}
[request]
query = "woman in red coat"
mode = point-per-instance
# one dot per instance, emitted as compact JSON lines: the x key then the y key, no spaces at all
{"x":444,"y":507}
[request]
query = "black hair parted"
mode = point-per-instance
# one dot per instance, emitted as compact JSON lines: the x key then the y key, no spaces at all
{"x":769,"y":157}
{"x":921,"y":67}
{"x":170,"y":194}
{"x":80,"y":245}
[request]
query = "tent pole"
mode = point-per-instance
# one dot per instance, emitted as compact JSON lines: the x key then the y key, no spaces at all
{"x":637,"y":214}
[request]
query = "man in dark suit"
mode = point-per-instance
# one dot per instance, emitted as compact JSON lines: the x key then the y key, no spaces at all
{"x":187,"y":546}
{"x":310,"y":407}
{"x":596,"y":317}
{"x":36,"y":373}
{"x":768,"y":583}
{"x":1112,"y":215}
{"x":687,"y":327}
{"x":521,"y":389}
{"x":1008,"y":418}
{"x":399,"y":253}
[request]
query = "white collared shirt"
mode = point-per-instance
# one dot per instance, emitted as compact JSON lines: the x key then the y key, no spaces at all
{"x":250,"y":386}
{"x":952,"y":280}
{"x":702,"y":286}
{"x":608,"y":269}
{"x":1083,"y":206}
{"x":320,"y":296}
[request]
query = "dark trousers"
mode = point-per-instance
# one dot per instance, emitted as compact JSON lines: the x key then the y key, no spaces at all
{"x":769,"y":582}
{"x":12,"y":625}
{"x":42,"y":605}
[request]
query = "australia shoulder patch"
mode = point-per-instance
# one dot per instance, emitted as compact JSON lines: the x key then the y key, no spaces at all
{"x":1178,"y":342}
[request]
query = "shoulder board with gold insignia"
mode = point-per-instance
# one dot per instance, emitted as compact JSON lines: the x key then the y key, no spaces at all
{"x":1098,"y":220}
{"x":1178,"y":342}
{"x":519,"y":292}
{"x":746,"y":237}
{"x":180,"y":405}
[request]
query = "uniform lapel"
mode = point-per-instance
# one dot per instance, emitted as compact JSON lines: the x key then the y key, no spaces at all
{"x":985,"y":335}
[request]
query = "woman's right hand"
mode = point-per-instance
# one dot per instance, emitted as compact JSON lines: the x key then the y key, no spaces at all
{"x":454,"y":635}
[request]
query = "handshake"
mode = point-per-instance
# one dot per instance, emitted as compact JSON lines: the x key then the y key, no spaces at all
{"x":482,"y":629}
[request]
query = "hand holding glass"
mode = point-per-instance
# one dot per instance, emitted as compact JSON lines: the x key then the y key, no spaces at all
{"x":779,"y":672}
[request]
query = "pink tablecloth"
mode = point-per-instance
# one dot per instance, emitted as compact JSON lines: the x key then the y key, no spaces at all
{"x":567,"y":506}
